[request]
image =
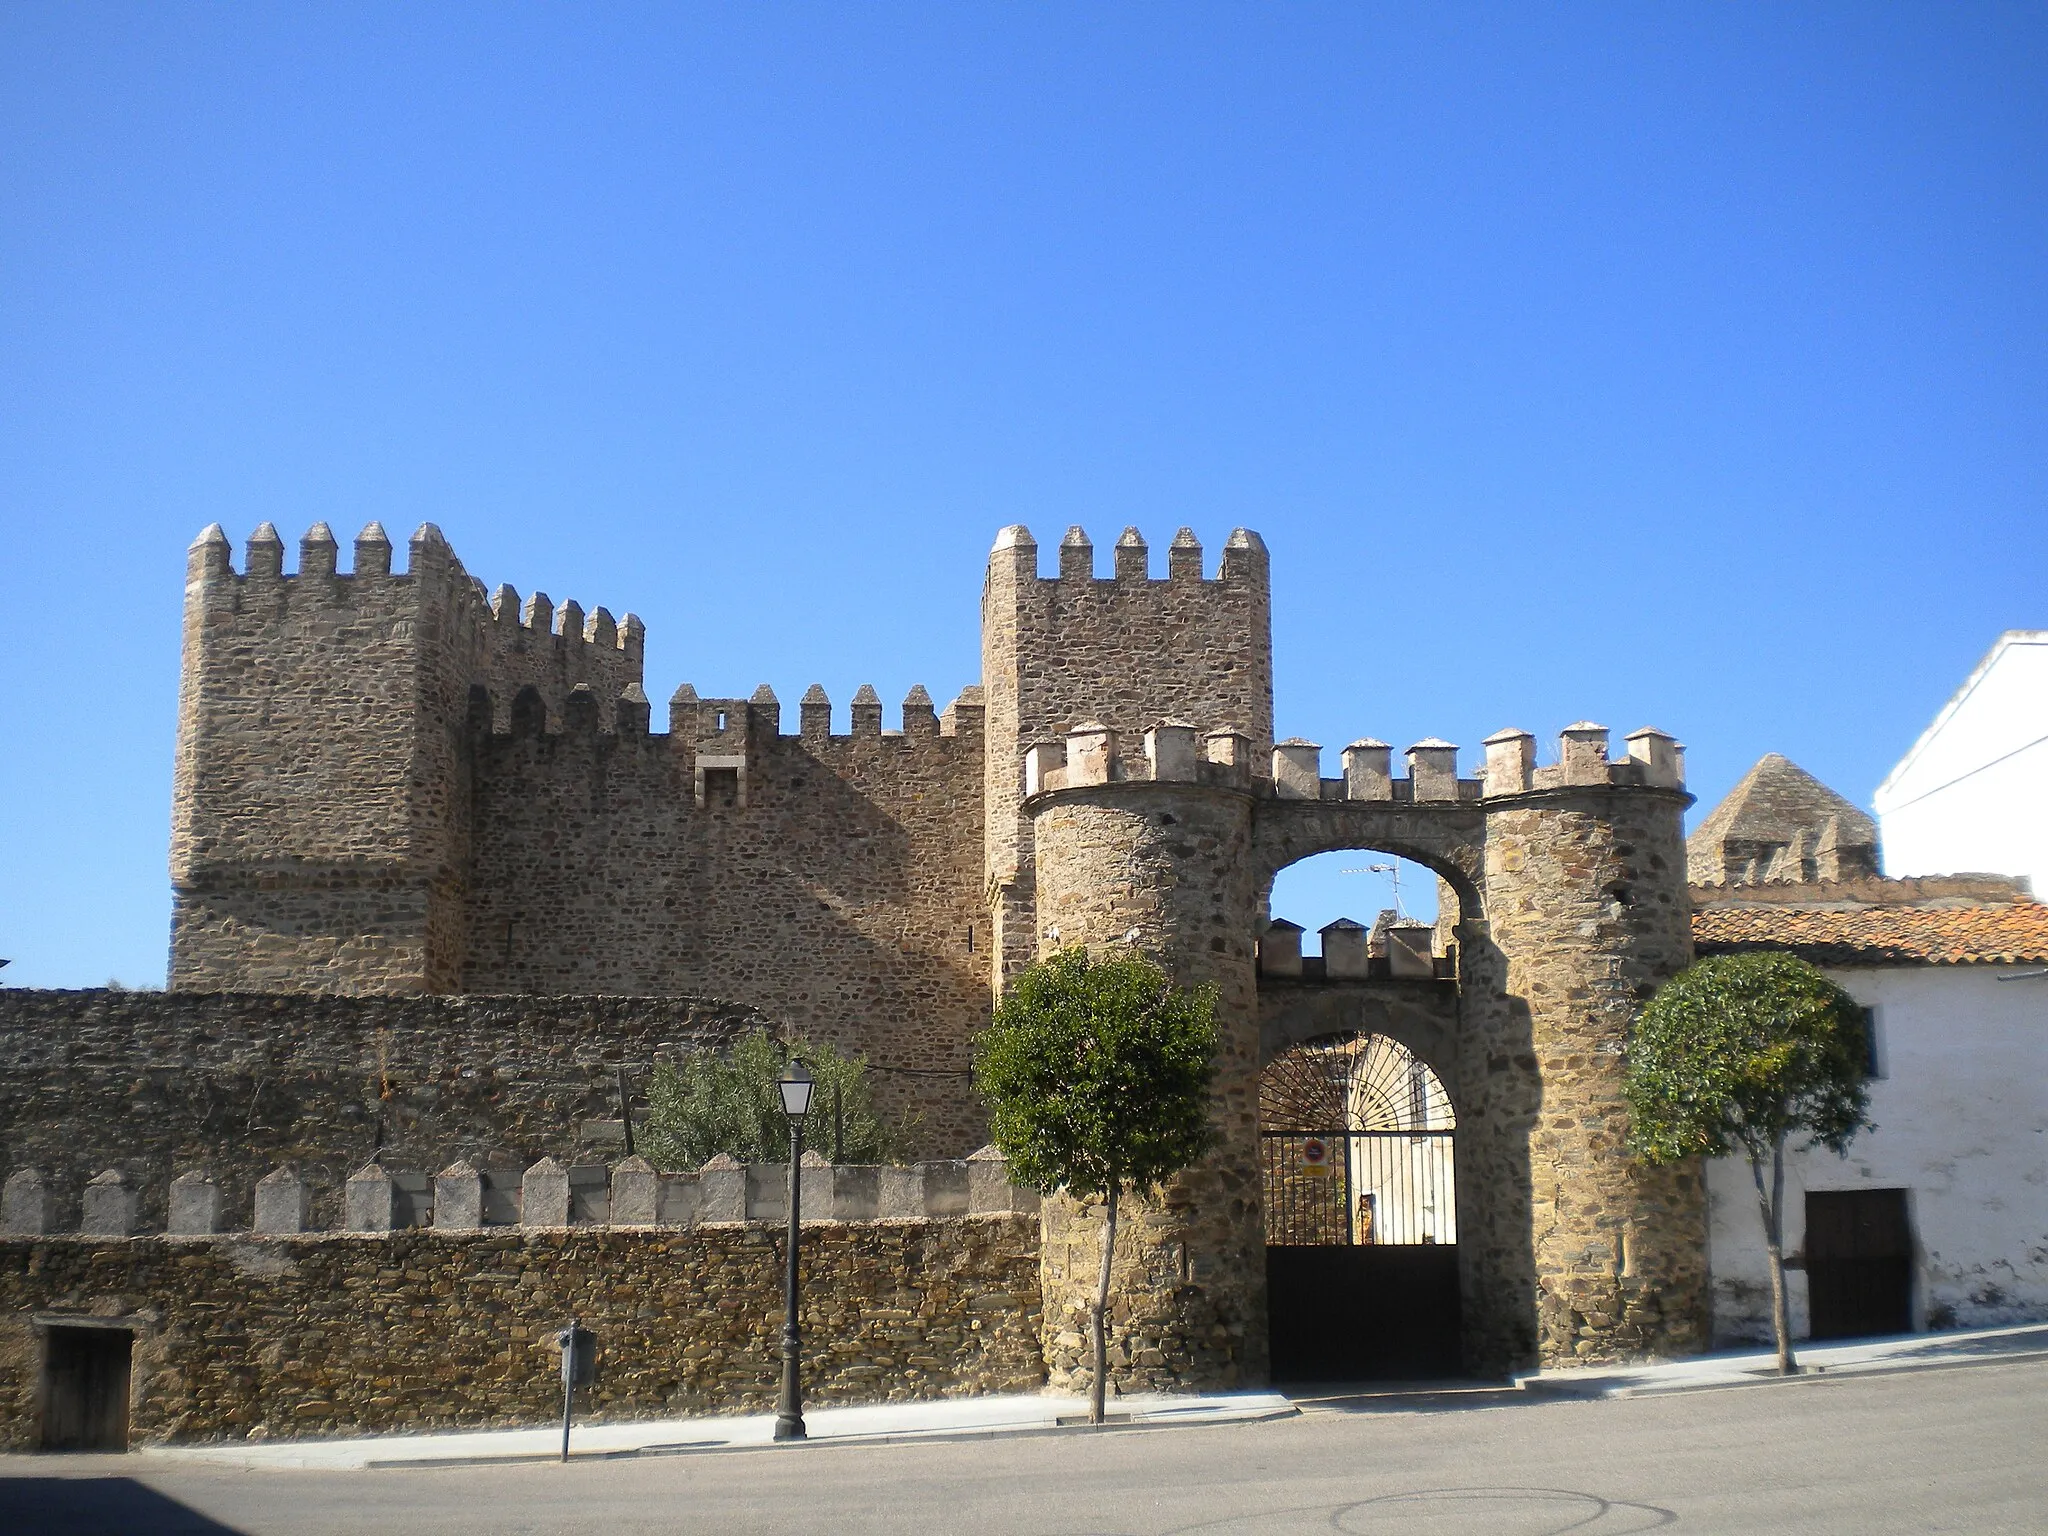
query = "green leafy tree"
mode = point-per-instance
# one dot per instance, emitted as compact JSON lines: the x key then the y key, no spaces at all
{"x":1740,"y":1053}
{"x":725,"y":1101}
{"x":1096,"y":1075}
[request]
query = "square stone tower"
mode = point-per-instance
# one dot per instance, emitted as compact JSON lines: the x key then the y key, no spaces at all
{"x":1128,"y":650}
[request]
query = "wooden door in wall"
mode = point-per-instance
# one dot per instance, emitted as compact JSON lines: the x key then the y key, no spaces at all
{"x":1859,"y":1263}
{"x":85,"y":1388}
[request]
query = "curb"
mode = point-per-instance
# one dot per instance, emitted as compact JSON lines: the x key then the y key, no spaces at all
{"x":1594,"y":1391}
{"x":828,"y":1442}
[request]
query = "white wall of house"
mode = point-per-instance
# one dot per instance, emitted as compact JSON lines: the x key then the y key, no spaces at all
{"x":1962,"y":1125}
{"x":1969,"y":795}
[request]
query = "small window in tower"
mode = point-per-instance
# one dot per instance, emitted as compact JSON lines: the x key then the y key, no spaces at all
{"x":722,"y":786}
{"x":718,"y":720}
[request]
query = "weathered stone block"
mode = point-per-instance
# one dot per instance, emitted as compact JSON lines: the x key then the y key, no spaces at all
{"x":856,"y":1192}
{"x":1582,"y":753}
{"x":945,"y":1188}
{"x":1661,"y":759}
{"x":899,"y":1193}
{"x":1091,"y":754}
{"x":1409,"y":957}
{"x":1368,"y":770}
{"x":1297,"y":770}
{"x":989,"y":1189}
{"x":283,"y":1202}
{"x":194,"y":1208}
{"x":636,"y":1191}
{"x":458,"y":1198}
{"x":25,"y":1203}
{"x":109,"y":1206}
{"x":1510,"y":762}
{"x":544,"y":1195}
{"x":1170,"y":751}
{"x":1045,"y":766}
{"x":722,"y":1190}
{"x":1347,"y":954}
{"x":1433,"y":770}
{"x":367,"y":1203}
{"x":1280,"y":950}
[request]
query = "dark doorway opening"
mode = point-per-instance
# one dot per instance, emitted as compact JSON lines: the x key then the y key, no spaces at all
{"x":85,"y":1388}
{"x":1358,"y":1143}
{"x":1859,"y":1263}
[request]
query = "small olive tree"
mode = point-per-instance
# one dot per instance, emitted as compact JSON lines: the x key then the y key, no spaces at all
{"x":1739,"y":1053}
{"x":725,"y":1101}
{"x":1096,"y":1074}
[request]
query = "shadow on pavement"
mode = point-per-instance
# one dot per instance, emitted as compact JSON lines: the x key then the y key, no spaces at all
{"x":1403,"y":1396}
{"x":98,"y":1506}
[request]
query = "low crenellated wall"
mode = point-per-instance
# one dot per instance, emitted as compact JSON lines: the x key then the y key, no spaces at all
{"x":464,"y":1198}
{"x":259,"y":1337}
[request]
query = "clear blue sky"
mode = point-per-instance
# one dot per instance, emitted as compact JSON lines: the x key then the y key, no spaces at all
{"x":1649,"y":363}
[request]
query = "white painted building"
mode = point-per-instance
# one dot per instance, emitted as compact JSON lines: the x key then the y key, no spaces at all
{"x":1972,"y":794}
{"x":1959,"y":994}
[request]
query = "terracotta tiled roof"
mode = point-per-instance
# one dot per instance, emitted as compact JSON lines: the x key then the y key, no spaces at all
{"x":2005,"y":933}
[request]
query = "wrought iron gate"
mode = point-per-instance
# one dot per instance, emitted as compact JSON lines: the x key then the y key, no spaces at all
{"x":1389,"y":1188}
{"x":1360,"y":1165}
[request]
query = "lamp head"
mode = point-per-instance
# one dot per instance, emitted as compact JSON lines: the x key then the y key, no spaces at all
{"x":796,"y":1085}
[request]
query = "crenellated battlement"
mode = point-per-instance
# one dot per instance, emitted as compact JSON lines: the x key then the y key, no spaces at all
{"x":1244,"y":560}
{"x":546,"y":1194}
{"x":1176,"y":751}
{"x":537,"y":623}
{"x":734,"y":725}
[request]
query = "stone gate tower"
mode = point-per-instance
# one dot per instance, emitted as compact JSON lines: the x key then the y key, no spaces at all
{"x":1136,"y":801}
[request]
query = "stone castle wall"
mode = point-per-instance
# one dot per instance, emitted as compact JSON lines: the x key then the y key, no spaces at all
{"x":843,"y":895}
{"x":239,"y":1338}
{"x":231,"y":1085}
{"x":388,"y":783}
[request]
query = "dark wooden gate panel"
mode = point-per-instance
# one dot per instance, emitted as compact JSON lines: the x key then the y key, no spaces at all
{"x":85,"y":1389}
{"x":1859,"y":1263}
{"x":1343,"y":1312}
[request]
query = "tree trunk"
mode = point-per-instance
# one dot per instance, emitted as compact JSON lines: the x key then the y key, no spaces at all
{"x":1772,"y":1203}
{"x":1098,"y":1315}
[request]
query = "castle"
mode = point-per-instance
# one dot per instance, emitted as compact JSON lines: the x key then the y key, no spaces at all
{"x":425,"y":835}
{"x":401,"y":783}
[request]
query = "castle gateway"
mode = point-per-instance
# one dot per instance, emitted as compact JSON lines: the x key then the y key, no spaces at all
{"x":398,"y":784}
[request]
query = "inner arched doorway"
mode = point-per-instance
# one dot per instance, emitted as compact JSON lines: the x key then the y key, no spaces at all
{"x":1358,"y":1142}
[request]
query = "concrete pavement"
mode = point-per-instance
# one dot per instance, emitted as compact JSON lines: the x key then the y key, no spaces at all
{"x":1754,"y":1367}
{"x":943,"y":1418}
{"x":1940,"y":1450}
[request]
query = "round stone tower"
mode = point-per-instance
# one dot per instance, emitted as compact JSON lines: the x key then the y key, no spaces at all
{"x":1162,"y":868}
{"x":1587,"y":911}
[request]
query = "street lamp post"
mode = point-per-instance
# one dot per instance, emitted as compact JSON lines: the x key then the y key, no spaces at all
{"x":795,"y":1085}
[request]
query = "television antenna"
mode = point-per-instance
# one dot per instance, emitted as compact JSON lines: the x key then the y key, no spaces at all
{"x":1393,"y":874}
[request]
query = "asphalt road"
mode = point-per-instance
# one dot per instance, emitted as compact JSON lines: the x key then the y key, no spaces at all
{"x":1959,"y":1449}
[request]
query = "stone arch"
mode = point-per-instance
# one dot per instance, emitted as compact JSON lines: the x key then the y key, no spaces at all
{"x":1424,"y":1022}
{"x":1449,"y":840}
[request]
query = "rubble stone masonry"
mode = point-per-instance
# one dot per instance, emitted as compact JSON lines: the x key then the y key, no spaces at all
{"x":231,"y":1085}
{"x":252,"y":1338}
